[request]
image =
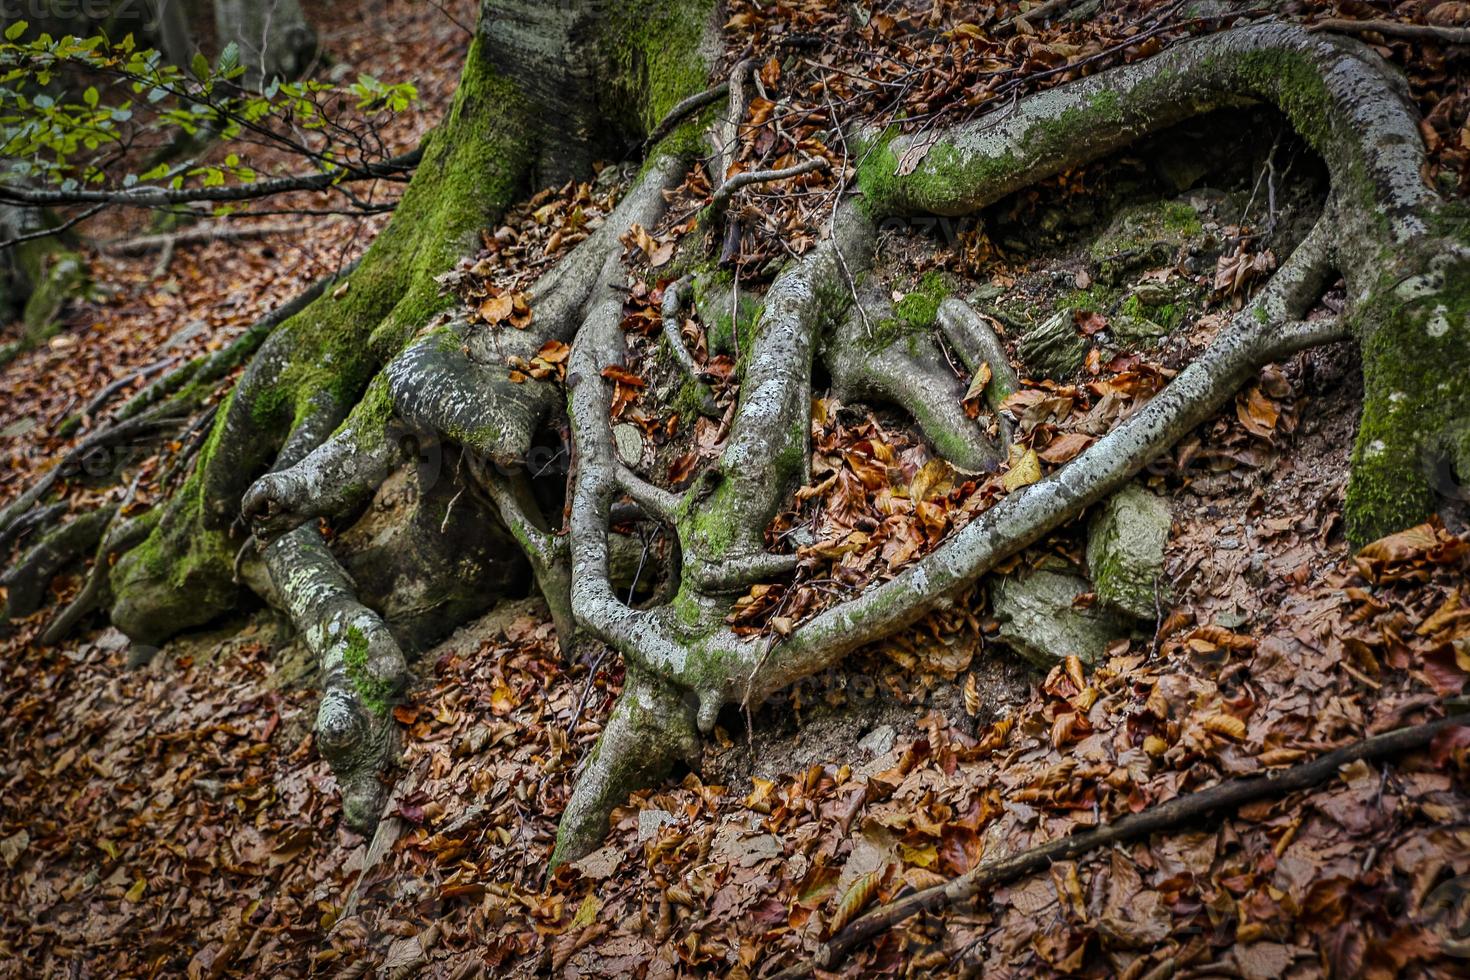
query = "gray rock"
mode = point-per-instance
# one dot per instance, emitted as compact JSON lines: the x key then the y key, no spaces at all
{"x":1136,"y":329}
{"x":1053,"y":348}
{"x":1038,"y":620}
{"x":879,"y":740}
{"x":1125,"y":551}
{"x":650,"y":820}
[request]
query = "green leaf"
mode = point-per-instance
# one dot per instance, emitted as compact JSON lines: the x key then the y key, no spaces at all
{"x":200,"y":66}
{"x":16,"y":30}
{"x":90,"y":96}
{"x":229,"y":58}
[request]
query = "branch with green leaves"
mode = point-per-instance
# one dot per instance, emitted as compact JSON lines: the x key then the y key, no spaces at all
{"x":78,"y":114}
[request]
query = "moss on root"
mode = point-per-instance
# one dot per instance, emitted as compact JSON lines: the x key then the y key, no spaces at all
{"x":1412,"y":453}
{"x":474,"y":167}
{"x":373,"y":693}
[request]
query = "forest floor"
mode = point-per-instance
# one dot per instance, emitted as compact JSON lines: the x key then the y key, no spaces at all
{"x":175,"y":818}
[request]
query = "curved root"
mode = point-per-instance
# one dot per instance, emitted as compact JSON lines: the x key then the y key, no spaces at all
{"x":363,"y":669}
{"x":1372,"y":151}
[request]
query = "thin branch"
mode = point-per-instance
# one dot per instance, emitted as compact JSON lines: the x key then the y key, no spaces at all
{"x":65,"y":226}
{"x":721,"y":199}
{"x":682,"y":109}
{"x":152,"y":197}
{"x":1186,"y":810}
{"x":1033,"y":16}
{"x":1393,"y":28}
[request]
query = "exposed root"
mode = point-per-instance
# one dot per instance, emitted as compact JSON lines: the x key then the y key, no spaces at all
{"x":978,"y":347}
{"x":363,"y":670}
{"x":1372,"y":156}
{"x":25,"y":583}
{"x":912,"y":373}
{"x":673,"y":306}
{"x":650,"y":729}
{"x":118,"y":537}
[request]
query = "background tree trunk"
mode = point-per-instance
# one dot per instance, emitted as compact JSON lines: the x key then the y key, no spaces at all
{"x":273,"y":37}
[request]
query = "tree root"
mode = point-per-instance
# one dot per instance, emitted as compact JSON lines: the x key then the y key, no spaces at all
{"x":1182,"y":811}
{"x":673,"y":306}
{"x":684,"y":663}
{"x":913,"y":374}
{"x":25,"y":583}
{"x":1372,"y":156}
{"x":363,"y":670}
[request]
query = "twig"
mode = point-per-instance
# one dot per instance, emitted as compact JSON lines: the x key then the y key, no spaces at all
{"x":682,"y":109}
{"x":49,"y":232}
{"x":721,"y":199}
{"x":1032,"y":16}
{"x":1393,"y":28}
{"x":1181,"y":811}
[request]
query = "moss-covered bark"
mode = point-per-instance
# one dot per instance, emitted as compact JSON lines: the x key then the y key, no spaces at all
{"x":316,"y":365}
{"x":1412,"y":455}
{"x":526,"y":90}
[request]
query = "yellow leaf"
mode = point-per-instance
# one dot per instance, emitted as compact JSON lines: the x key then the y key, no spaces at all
{"x":972,"y":696}
{"x":919,"y":857}
{"x":1025,"y":470}
{"x":977,"y":386}
{"x":135,"y":894}
{"x":858,"y":895}
{"x":587,"y":913}
{"x":760,"y":797}
{"x":502,"y":700}
{"x":932,"y":480}
{"x":1226,"y":725}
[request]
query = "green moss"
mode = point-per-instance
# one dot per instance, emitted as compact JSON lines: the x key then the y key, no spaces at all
{"x":1413,"y":444}
{"x":1145,"y":234}
{"x":920,"y":308}
{"x":688,"y":400}
{"x":374,"y":694}
{"x":267,"y":407}
{"x":712,"y":526}
{"x":654,"y":49}
{"x":1097,"y":298}
{"x":1166,"y":315}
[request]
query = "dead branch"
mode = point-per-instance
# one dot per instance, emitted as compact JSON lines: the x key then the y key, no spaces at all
{"x":682,"y":110}
{"x":1393,"y":28}
{"x":727,"y":190}
{"x":1186,"y":810}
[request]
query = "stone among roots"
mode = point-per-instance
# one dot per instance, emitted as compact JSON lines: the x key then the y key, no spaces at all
{"x":1053,"y":348}
{"x":1145,"y":235}
{"x":1125,"y":551}
{"x":1040,"y":622}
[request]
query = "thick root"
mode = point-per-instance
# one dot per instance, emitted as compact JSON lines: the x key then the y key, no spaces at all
{"x":1372,"y":156}
{"x":910,"y":372}
{"x":25,"y":583}
{"x":650,"y":730}
{"x":363,"y":669}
